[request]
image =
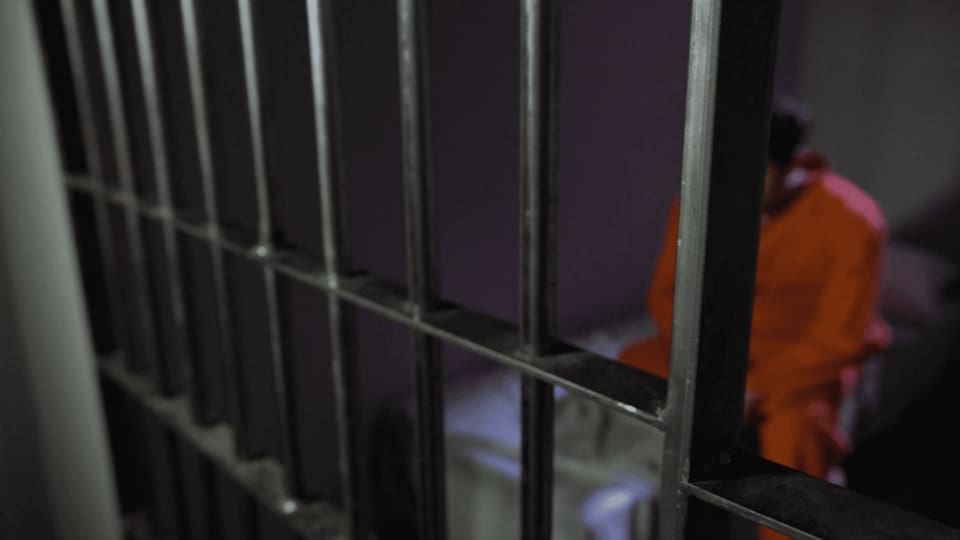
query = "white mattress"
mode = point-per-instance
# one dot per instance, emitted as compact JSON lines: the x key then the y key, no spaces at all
{"x":606,"y":465}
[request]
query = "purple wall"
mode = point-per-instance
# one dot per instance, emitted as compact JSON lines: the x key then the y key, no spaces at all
{"x":370,"y":115}
{"x":622,"y":88}
{"x":475,"y":95}
{"x":622,"y":74}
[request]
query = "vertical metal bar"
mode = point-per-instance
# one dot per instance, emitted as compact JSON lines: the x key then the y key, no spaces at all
{"x":325,"y":94}
{"x":745,"y":70}
{"x":118,"y":125}
{"x":204,"y":152}
{"x":159,"y":150}
{"x":279,"y":375}
{"x":417,"y":167}
{"x":537,"y":410}
{"x":265,"y":246}
{"x":79,"y":73}
{"x":691,"y":242}
{"x":422,"y":266}
{"x":248,"y":41}
{"x":431,"y":452}
{"x":538,"y":95}
{"x":92,"y":151}
{"x":199,"y":106}
{"x":730,"y":79}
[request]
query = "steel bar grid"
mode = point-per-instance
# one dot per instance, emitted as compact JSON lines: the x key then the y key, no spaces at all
{"x":619,"y":387}
{"x":263,"y":478}
{"x":724,"y":148}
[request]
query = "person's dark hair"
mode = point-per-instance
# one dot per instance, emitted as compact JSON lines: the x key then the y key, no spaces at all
{"x":789,"y":125}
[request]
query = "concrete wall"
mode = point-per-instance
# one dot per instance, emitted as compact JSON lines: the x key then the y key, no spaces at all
{"x":882,"y":77}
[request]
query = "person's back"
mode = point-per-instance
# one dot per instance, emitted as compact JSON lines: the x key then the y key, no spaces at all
{"x":818,"y":273}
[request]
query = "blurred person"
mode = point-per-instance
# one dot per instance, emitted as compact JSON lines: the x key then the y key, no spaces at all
{"x":814,"y":319}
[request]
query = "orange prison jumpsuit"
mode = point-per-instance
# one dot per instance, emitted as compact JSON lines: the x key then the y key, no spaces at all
{"x":814,"y":323}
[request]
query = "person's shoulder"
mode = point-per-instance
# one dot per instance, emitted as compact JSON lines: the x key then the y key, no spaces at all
{"x":848,"y":205}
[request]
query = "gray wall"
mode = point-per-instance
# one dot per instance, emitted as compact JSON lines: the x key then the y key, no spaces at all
{"x":54,"y":463}
{"x":883,"y":79}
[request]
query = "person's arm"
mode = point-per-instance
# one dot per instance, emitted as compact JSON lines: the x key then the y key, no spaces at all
{"x":835,"y":336}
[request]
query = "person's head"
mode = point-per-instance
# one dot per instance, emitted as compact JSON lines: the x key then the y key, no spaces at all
{"x":789,"y":124}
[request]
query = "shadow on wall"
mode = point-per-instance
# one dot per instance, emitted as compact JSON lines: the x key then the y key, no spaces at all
{"x":935,"y":225}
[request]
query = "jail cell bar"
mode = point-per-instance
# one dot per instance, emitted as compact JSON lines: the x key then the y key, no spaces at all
{"x":538,"y":104}
{"x":728,"y":98}
{"x":422,"y":266}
